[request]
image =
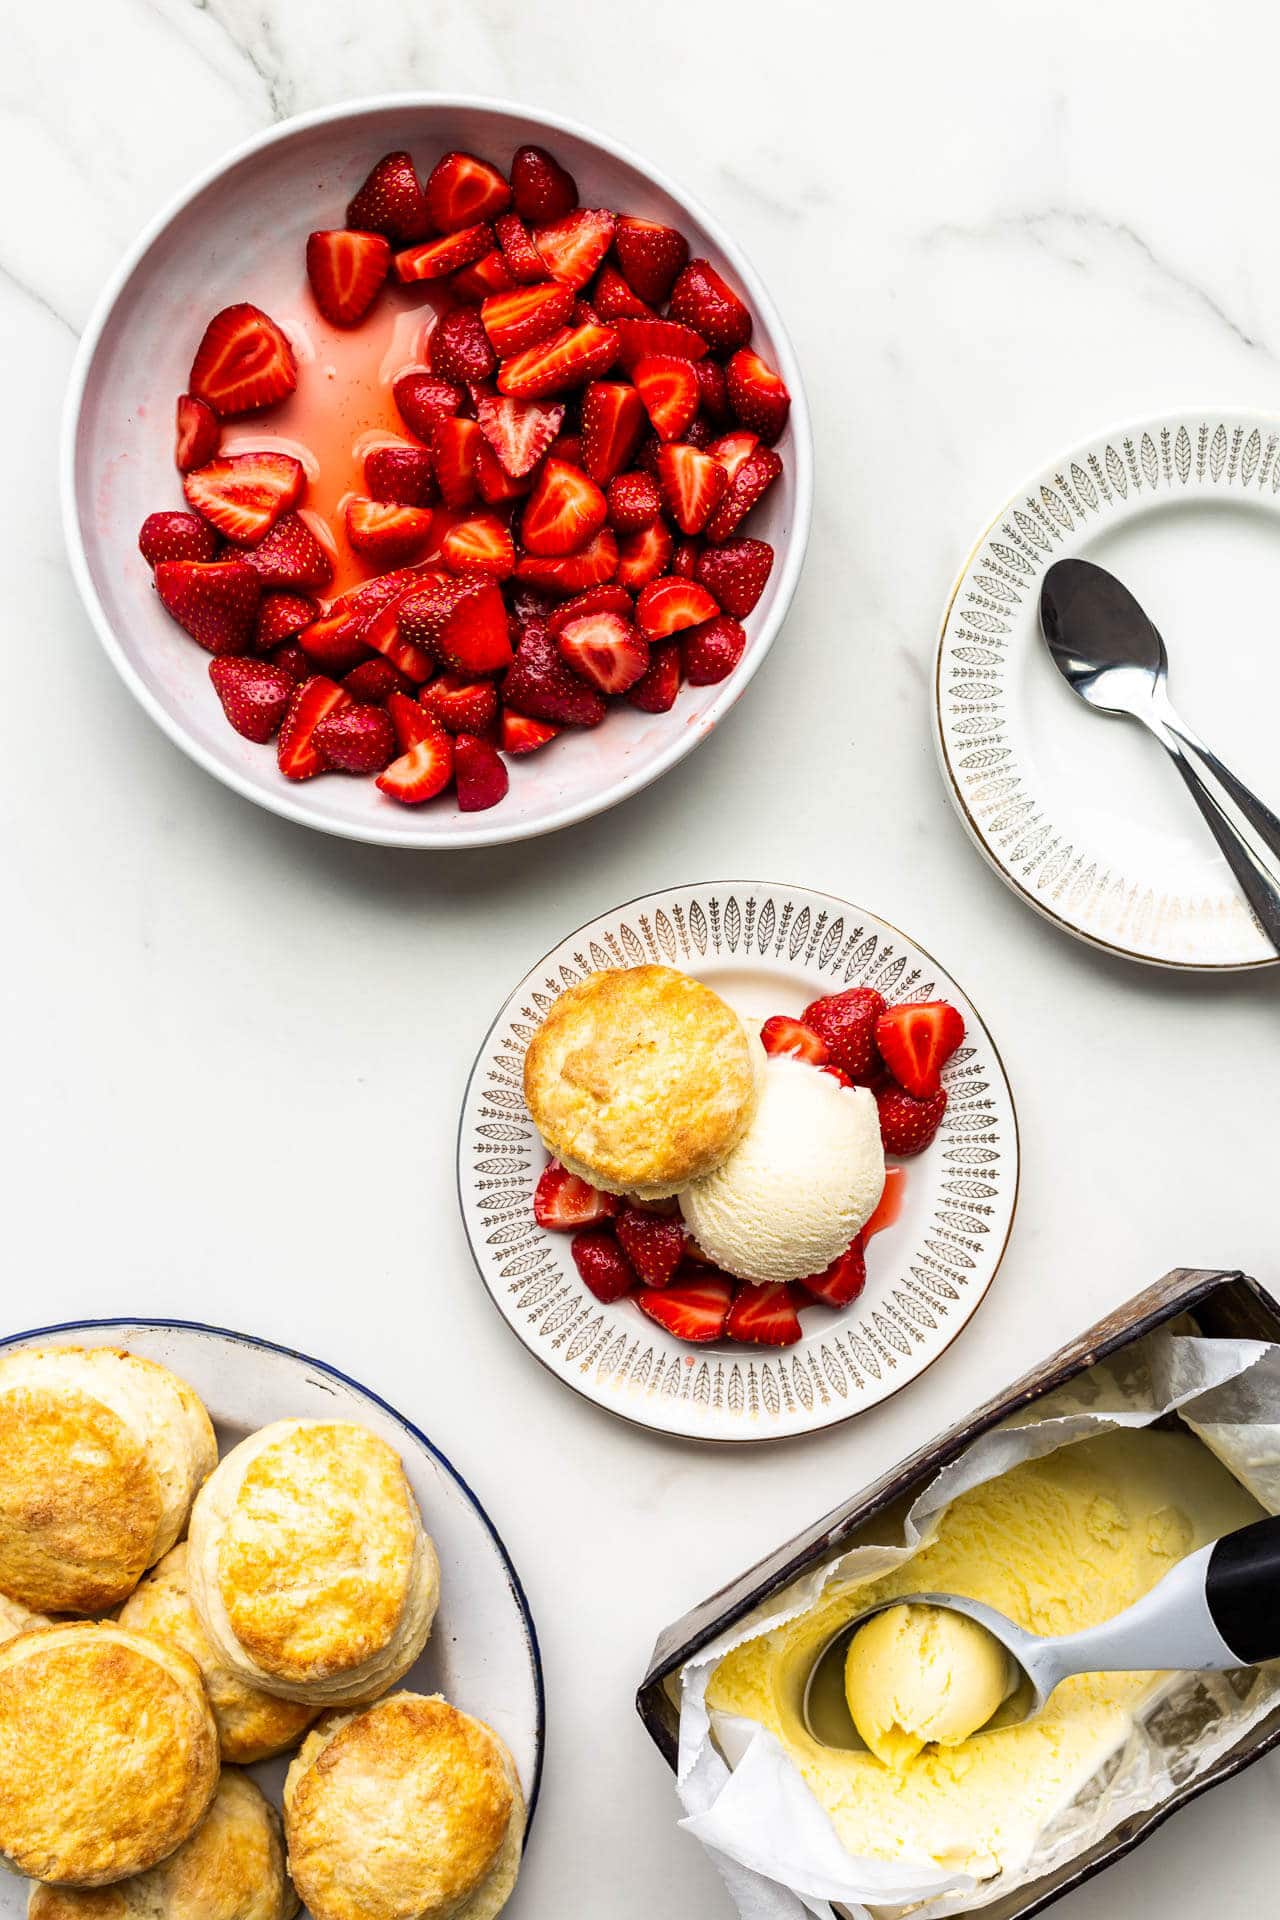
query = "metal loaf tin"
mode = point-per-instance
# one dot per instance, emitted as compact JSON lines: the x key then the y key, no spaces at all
{"x":1226,"y":1306}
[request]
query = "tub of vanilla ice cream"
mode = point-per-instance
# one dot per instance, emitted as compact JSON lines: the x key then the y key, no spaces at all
{"x":1060,"y":1504}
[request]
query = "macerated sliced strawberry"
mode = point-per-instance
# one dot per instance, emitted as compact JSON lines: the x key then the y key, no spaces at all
{"x":843,"y":1280}
{"x":355,"y":738}
{"x":564,"y":511}
{"x":685,"y":558}
{"x":651,"y":256}
{"x":373,"y":680}
{"x":254,"y":695}
{"x":658,"y":688}
{"x":462,"y":621}
{"x":244,"y":494}
{"x":479,"y":774}
{"x":453,"y":455}
{"x":572,"y":572}
{"x":281,"y":618}
{"x":653,"y":1243}
{"x":385,"y":635}
{"x":764,"y":1316}
{"x":243,"y":362}
{"x":412,"y":721}
{"x":176,"y":536}
{"x":462,"y":190}
{"x":916,"y":1041}
{"x":297,"y":755}
{"x":908,"y":1125}
{"x":215,"y":600}
{"x":496,"y":486}
{"x":290,"y":556}
{"x":669,"y":389}
{"x":523,"y":260}
{"x":574,"y":246}
{"x":604,"y":599}
{"x":461,"y":705}
{"x":423,"y":770}
{"x":459,"y":349}
{"x":491,"y":274}
{"x":733,"y":450}
{"x":519,"y":431}
{"x":736,"y":574}
{"x":347,"y":271}
{"x":781,"y":1034}
{"x":517,"y":320}
{"x":634,"y":502}
{"x":757,"y":394}
{"x":613,"y":299}
{"x":644,"y":556}
{"x":692,"y":483}
{"x":605,"y":1269}
{"x":436,"y":258}
{"x":660,"y":339}
{"x":400,"y":473}
{"x":695,"y":1311}
{"x":847,"y":1024}
{"x":668,"y":606}
{"x":562,"y":1202}
{"x":199,"y":432}
{"x":540,"y":685}
{"x":332,"y":642}
{"x":422,"y":399}
{"x":889,"y":1205}
{"x":386,"y":532}
{"x":752,"y":479}
{"x":605,"y":650}
{"x":613,"y":419}
{"x":541,"y":187}
{"x":565,"y":359}
{"x":714,"y":392}
{"x":519,"y":734}
{"x":701,"y":299}
{"x":391,"y":202}
{"x":480,"y":544}
{"x":710,"y":653}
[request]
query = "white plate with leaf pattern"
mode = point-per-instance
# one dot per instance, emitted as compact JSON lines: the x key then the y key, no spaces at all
{"x":1083,"y":816}
{"x":767,"y":949}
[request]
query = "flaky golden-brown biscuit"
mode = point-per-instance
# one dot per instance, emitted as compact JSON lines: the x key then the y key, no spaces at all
{"x":101,"y":1453}
{"x":308,"y":1563}
{"x":410,"y":1810}
{"x":232,"y":1868}
{"x":108,"y":1752}
{"x":252,"y":1725}
{"x":641,"y":1079}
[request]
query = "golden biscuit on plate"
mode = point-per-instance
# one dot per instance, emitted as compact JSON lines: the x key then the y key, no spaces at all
{"x":101,"y":1453}
{"x":232,"y":1868}
{"x":252,"y":1725}
{"x":308,"y":1563}
{"x":641,"y":1079}
{"x":410,"y":1810}
{"x":108,"y":1752}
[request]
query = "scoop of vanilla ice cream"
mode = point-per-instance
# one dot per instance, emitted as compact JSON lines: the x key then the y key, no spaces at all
{"x":919,"y":1675}
{"x":805,"y":1177}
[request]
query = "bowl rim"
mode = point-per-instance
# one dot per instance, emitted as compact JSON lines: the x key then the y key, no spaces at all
{"x":290,"y":803}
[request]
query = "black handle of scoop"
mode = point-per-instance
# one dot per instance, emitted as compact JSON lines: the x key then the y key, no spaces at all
{"x":1242,"y":1590}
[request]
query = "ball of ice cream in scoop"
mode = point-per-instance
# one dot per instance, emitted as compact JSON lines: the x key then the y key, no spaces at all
{"x":918,"y":1675}
{"x":806,"y":1176}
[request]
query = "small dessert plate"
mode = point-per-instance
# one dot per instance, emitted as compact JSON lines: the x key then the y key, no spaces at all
{"x":1081,"y":815}
{"x":766,"y":949}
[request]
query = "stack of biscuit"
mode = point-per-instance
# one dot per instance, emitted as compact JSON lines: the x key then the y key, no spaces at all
{"x":167,"y":1619}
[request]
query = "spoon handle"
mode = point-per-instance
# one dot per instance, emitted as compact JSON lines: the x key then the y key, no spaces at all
{"x":1246,"y":830}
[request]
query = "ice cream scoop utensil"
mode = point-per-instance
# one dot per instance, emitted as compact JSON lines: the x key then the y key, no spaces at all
{"x":1110,"y":654}
{"x":1218,"y":1608}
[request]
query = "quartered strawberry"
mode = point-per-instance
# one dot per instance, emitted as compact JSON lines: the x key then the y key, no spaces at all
{"x":297,"y":755}
{"x":254,"y":695}
{"x":461,"y":190}
{"x":479,"y":774}
{"x":436,"y":258}
{"x":650,"y":255}
{"x":574,"y":246}
{"x":423,"y":769}
{"x":453,"y":456}
{"x":541,"y":187}
{"x":461,"y":705}
{"x":840,"y":1283}
{"x":373,"y":680}
{"x":764,"y":1316}
{"x":695,"y":1311}
{"x":701,"y":299}
{"x":692,"y":483}
{"x":459,"y":349}
{"x":634,"y":502}
{"x":400,"y":473}
{"x":653,"y":1243}
{"x":666,"y":339}
{"x":244,"y":494}
{"x":605,"y":650}
{"x":479,"y":544}
{"x":908,"y":1125}
{"x":523,"y":260}
{"x":613,"y":420}
{"x":386,"y":532}
{"x":752,"y":479}
{"x":413,"y":722}
{"x":608,"y":598}
{"x":519,"y":319}
{"x":462,"y":621}
{"x":916,"y":1042}
{"x":565,"y":359}
{"x":564,"y":511}
{"x":656,"y":691}
{"x":176,"y":536}
{"x":347,"y":270}
{"x":757,"y":394}
{"x":490,"y":274}
{"x":781,"y":1034}
{"x":355,"y":738}
{"x":668,"y":606}
{"x":669,"y":389}
{"x":519,"y":734}
{"x":199,"y":432}
{"x":391,"y":202}
{"x":710,"y":653}
{"x":613,"y":299}
{"x":540,"y":685}
{"x":281,"y":618}
{"x":386,"y":636}
{"x":846,"y":1023}
{"x":713,"y":391}
{"x":736,"y":573}
{"x":562,"y":1202}
{"x":518,"y":431}
{"x":733,"y":450}
{"x":423,"y":398}
{"x":644,"y":556}
{"x":290,"y":556}
{"x":243,"y":362}
{"x":605,"y":1269}
{"x":215,"y":600}
{"x":572,"y":572}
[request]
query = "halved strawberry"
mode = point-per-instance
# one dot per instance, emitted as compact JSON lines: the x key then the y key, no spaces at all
{"x":480,"y":544}
{"x":710,"y":653}
{"x":908,"y":1125}
{"x":651,"y":256}
{"x":459,"y":349}
{"x":540,"y":685}
{"x":434,"y":259}
{"x":612,"y":421}
{"x":781,"y":1034}
{"x":254,"y":695}
{"x":244,"y":494}
{"x":461,"y":705}
{"x":696,"y":1311}
{"x":663,"y":339}
{"x":522,"y":258}
{"x":608,"y":598}
{"x":281,"y":618}
{"x":386,"y":532}
{"x":400,"y":473}
{"x":605,"y":650}
{"x":916,"y":1041}
{"x":243,"y":362}
{"x":198,"y":433}
{"x":634,"y":502}
{"x":889,"y":1205}
{"x":733,"y":450}
{"x":463,"y":622}
{"x":613,"y":299}
{"x":562,"y":1202}
{"x":701,"y":299}
{"x":764,"y":1316}
{"x":176,"y":536}
{"x":373,"y":680}
{"x":413,"y":722}
{"x":574,"y":246}
{"x":422,"y":399}
{"x":216,"y":601}
{"x":653,"y":1243}
{"x":519,"y":734}
{"x":564,"y":511}
{"x":736,"y":573}
{"x":843,"y":1280}
{"x":355,"y":738}
{"x":297,"y":755}
{"x":453,"y":455}
{"x":490,"y":274}
{"x":572,"y":572}
{"x":519,"y":319}
{"x":479,"y":774}
{"x":657,"y":690}
{"x":424,"y":769}
{"x":605,"y":1269}
{"x":461,"y":190}
{"x":347,"y":270}
{"x":541,"y":187}
{"x":714,"y":394}
{"x":644,"y":556}
{"x":391,"y":202}
{"x":290,"y":556}
{"x":757,"y":395}
{"x":565,"y":359}
{"x":753,"y":478}
{"x":692,"y":483}
{"x":669,"y":389}
{"x":846,"y":1023}
{"x":519,"y":431}
{"x":668,"y":606}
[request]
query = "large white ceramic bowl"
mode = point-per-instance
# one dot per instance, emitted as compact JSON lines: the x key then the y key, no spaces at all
{"x":238,"y":233}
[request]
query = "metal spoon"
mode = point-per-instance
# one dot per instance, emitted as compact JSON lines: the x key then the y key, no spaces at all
{"x":1218,"y":1608}
{"x":1108,"y":652}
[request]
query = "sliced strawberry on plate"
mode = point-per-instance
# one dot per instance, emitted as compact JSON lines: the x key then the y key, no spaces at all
{"x":254,"y":695}
{"x":461,"y":705}
{"x":710,"y":653}
{"x":660,"y":339}
{"x":764,"y":1316}
{"x":657,"y":690}
{"x":840,"y":1283}
{"x":653,"y":1243}
{"x":753,"y":479}
{"x":400,"y":473}
{"x":479,"y":544}
{"x":176,"y":536}
{"x":732,"y":450}
{"x":347,"y":271}
{"x":423,"y":769}
{"x":459,"y":348}
{"x":494,"y":484}
{"x":412,"y":721}
{"x":605,"y":650}
{"x":634,"y":501}
{"x":574,"y":246}
{"x":540,"y":685}
{"x":383,"y":531}
{"x":757,"y":394}
{"x":695,"y":1311}
{"x":736,"y":573}
{"x":462,"y":190}
{"x":518,"y":431}
{"x":781,"y":1034}
{"x":604,"y":1267}
{"x":564,"y":511}
{"x":846,"y":1023}
{"x":565,"y":359}
{"x":462,"y":621}
{"x":290,"y":556}
{"x":390,"y":201}
{"x":355,"y":738}
{"x":436,"y":258}
{"x":423,"y":399}
{"x":908,"y":1125}
{"x":713,"y":391}
{"x":386,"y":636}
{"x":244,"y":494}
{"x":517,"y":320}
{"x":669,"y":389}
{"x":297,"y":755}
{"x":199,"y":432}
{"x":701,"y":299}
{"x":490,"y":274}
{"x":572,"y":572}
{"x":668,"y":606}
{"x":479,"y":774}
{"x":645,"y":556}
{"x":916,"y":1041}
{"x":692,"y":483}
{"x":889,"y":1205}
{"x":522,"y":258}
{"x":373,"y":680}
{"x":216,"y":601}
{"x":333,"y":644}
{"x":541,"y":187}
{"x":519,"y":734}
{"x":650,"y":255}
{"x":453,"y":456}
{"x":613,"y":419}
{"x":243,"y":362}
{"x":613,"y":299}
{"x":608,"y":598}
{"x":562,"y":1202}
{"x":281,"y":618}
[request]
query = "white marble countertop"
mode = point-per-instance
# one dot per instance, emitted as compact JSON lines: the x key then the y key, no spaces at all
{"x":235,"y":1049}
